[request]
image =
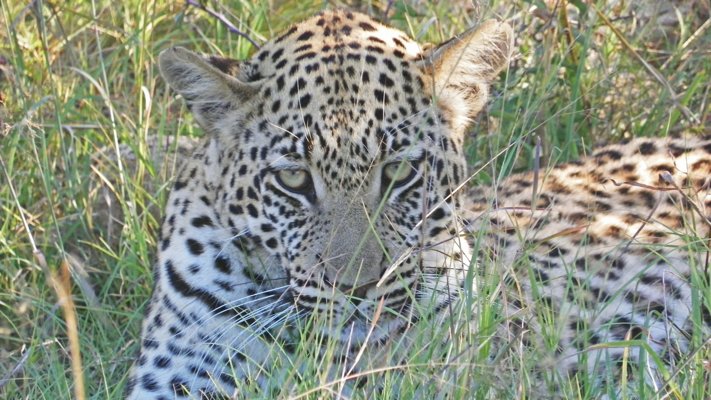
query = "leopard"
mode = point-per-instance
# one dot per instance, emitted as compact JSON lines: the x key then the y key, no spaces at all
{"x":327,"y":208}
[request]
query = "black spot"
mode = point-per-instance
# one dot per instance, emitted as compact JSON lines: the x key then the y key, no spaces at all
{"x":557,"y":252}
{"x":149,"y":343}
{"x":649,"y":200}
{"x":366,"y":26}
{"x":281,"y":65}
{"x":602,"y":206}
{"x":225,"y":286}
{"x":285,"y":35}
{"x":612,"y":154}
{"x":647,"y":148}
{"x":222,"y":264}
{"x":386,"y":81}
{"x":161,"y":362}
{"x":252,"y":210}
{"x":149,"y":382}
{"x":390,"y":65}
{"x":676,"y":151}
{"x":436,"y":230}
{"x":195,"y":247}
{"x":304,"y":36}
{"x":618,"y":264}
{"x":251,"y":193}
{"x":201,"y":221}
{"x":298,"y":85}
{"x":306,"y":56}
{"x":305,"y":100}
{"x":438,"y":214}
{"x":381,"y":96}
{"x":379,"y":114}
{"x":280,"y":82}
{"x":263,"y":55}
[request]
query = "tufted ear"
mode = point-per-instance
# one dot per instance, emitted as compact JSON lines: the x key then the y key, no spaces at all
{"x":208,"y":84}
{"x":463,"y":66}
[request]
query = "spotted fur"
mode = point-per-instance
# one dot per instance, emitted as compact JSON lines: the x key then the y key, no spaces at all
{"x":607,"y":247}
{"x":328,"y":190}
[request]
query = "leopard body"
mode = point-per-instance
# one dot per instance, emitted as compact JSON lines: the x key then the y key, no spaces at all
{"x":327,"y":204}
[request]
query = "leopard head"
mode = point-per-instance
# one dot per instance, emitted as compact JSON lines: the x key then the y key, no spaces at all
{"x":341,"y":151}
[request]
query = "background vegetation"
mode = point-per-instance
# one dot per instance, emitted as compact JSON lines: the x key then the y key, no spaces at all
{"x":88,"y":142}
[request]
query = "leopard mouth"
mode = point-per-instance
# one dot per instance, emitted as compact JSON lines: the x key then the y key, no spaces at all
{"x":355,"y":320}
{"x":360,"y":331}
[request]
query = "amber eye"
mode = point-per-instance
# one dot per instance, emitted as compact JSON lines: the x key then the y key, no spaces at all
{"x":296,"y":180}
{"x":397,"y":174}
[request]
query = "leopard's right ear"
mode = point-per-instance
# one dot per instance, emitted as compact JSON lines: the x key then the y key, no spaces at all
{"x":463,"y":67}
{"x":208,"y":84}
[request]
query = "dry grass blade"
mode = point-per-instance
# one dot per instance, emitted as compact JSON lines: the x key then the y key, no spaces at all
{"x":565,"y":232}
{"x":62,"y":286}
{"x":373,"y":324}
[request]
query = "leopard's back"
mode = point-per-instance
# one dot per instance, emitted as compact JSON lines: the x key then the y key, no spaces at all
{"x":611,"y":248}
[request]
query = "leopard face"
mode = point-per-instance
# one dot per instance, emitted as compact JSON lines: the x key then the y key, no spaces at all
{"x":340,"y":154}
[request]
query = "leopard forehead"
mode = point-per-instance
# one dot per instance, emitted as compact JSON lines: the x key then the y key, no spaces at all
{"x":343,"y":90}
{"x":343,"y":87}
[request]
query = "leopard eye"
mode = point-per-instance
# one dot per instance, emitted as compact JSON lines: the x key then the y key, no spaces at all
{"x":296,"y":180}
{"x":397,"y":174}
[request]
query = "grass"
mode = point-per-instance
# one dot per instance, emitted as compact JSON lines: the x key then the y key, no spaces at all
{"x":78,"y":78}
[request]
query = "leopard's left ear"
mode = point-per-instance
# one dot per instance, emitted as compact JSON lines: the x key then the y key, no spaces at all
{"x":463,"y":66}
{"x":208,"y":84}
